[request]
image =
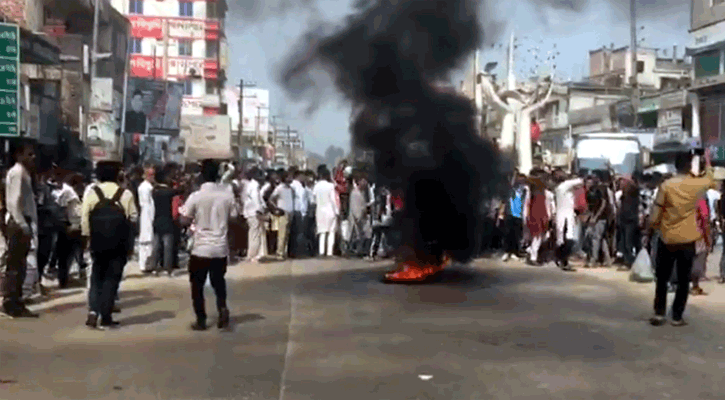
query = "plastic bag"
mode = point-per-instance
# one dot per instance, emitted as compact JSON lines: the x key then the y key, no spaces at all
{"x":642,"y":268}
{"x":346,"y":230}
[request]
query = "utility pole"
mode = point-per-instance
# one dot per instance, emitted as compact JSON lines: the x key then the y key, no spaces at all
{"x":240,"y":127}
{"x":633,"y":60}
{"x":289,"y":144}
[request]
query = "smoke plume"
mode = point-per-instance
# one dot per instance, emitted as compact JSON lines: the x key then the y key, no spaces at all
{"x":386,"y":61}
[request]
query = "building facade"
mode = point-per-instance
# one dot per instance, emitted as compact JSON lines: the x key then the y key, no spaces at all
{"x":612,"y":67}
{"x":181,"y":41}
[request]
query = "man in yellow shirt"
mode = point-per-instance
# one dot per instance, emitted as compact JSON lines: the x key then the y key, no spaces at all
{"x":674,"y":214}
{"x":107,"y":213}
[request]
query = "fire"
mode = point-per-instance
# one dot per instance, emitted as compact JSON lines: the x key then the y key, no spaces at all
{"x":415,"y":270}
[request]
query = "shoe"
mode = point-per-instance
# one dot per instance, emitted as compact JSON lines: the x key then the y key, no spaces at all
{"x":23,"y":312}
{"x":42,"y":290}
{"x":116,"y":309}
{"x":223,"y":318}
{"x":505,"y":257}
{"x":198,"y":326}
{"x":657,"y":320}
{"x":106,"y":325}
{"x":697,"y":292}
{"x":679,"y":322}
{"x":92,"y":320}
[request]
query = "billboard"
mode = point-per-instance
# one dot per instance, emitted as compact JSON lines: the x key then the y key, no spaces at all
{"x":256,"y":111}
{"x":187,"y":29}
{"x":146,"y":27}
{"x":153,"y":107}
{"x":147,"y":66}
{"x":182,"y":67}
{"x":102,"y":139}
{"x":207,"y":137}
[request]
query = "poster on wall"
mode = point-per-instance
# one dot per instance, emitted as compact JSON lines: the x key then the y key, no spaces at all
{"x":207,"y":137}
{"x":102,"y":94}
{"x":153,"y":107}
{"x":102,"y":134}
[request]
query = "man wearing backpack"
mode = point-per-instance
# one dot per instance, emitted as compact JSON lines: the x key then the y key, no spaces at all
{"x":107,"y":215}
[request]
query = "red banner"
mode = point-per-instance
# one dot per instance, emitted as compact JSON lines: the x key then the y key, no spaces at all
{"x":146,"y":27}
{"x":143,"y":67}
{"x":211,"y":111}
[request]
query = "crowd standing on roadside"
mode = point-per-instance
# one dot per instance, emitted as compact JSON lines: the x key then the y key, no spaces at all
{"x":56,"y":222}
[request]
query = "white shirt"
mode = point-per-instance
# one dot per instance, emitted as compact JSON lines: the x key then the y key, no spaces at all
{"x":67,"y":198}
{"x":252,"y":199}
{"x":284,"y":196}
{"x":210,"y":208}
{"x":712,"y":197}
{"x":301,"y":197}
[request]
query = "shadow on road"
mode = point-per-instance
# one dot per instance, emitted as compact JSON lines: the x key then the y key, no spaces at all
{"x":147,"y":319}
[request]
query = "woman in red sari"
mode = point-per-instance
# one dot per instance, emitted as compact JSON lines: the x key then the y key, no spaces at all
{"x":537,"y":217}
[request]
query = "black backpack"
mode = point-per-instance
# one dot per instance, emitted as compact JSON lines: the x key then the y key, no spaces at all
{"x":110,"y":228}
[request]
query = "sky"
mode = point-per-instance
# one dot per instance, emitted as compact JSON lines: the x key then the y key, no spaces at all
{"x":260,"y":41}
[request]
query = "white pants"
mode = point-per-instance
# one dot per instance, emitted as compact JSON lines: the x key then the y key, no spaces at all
{"x":535,"y":246}
{"x":328,"y":237}
{"x":257,"y":246}
{"x":145,"y":253}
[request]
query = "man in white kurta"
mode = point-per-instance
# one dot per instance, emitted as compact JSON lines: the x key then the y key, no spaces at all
{"x":326,"y":213}
{"x":146,"y":223}
{"x":566,"y":219}
{"x":253,"y":212}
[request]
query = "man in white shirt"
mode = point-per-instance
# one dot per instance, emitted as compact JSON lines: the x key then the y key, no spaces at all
{"x":253,"y":212}
{"x":146,"y":221}
{"x":210,"y":208}
{"x":282,"y":203}
{"x":565,"y":219}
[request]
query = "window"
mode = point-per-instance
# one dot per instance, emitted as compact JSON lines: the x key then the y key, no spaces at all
{"x":212,"y":49}
{"x":211,"y":10}
{"x":187,"y":87}
{"x":184,"y":47}
{"x":135,"y":7}
{"x":211,"y":87}
{"x":640,"y":67}
{"x":186,"y":9}
{"x":707,"y":64}
{"x":136,"y":46}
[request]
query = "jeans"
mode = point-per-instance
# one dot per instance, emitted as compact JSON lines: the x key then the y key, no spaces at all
{"x":668,"y":256}
{"x":597,"y":234}
{"x":215,"y":268}
{"x":722,"y":259}
{"x":164,"y":251}
{"x":106,"y":275}
{"x":514,"y":233}
{"x":64,"y":248}
{"x":16,"y":256}
{"x":629,"y":236}
{"x":298,"y":242}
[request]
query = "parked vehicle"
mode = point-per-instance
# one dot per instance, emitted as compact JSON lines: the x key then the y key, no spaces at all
{"x":620,"y":152}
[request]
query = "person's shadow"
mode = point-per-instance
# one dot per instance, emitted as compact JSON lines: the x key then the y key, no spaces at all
{"x":236,"y":320}
{"x":147,"y":319}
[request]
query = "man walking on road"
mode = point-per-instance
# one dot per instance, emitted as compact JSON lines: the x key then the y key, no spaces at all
{"x":107,"y":215}
{"x":674,"y":214}
{"x":210,"y":209}
{"x":22,"y":222}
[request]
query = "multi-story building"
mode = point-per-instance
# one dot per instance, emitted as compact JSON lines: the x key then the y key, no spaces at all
{"x":184,"y":41}
{"x":612,"y":67}
{"x":707,"y":48}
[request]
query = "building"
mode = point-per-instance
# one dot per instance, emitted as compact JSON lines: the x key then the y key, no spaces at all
{"x":707,"y":48}
{"x":181,"y":41}
{"x":256,"y":142}
{"x":612,"y":67}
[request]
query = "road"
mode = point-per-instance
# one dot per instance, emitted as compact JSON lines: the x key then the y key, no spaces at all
{"x":330,"y":329}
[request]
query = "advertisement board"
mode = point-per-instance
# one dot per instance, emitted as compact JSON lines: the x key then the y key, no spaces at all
{"x":182,"y":67}
{"x":187,"y":28}
{"x":102,"y":94}
{"x":102,"y":138}
{"x":146,"y":27}
{"x":145,"y":67}
{"x":153,"y":106}
{"x":256,"y":110}
{"x":207,"y":137}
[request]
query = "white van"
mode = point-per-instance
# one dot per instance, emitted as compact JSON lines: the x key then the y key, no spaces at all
{"x":598,"y":151}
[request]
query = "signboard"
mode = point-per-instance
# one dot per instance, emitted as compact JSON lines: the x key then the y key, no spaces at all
{"x":207,"y":137}
{"x":102,"y":135}
{"x":9,"y":82}
{"x":182,"y":67}
{"x":146,"y":27}
{"x":144,"y":66}
{"x":102,"y":94}
{"x":192,"y":106}
{"x":702,"y":38}
{"x":256,"y":111}
{"x":187,"y":28}
{"x":153,"y":106}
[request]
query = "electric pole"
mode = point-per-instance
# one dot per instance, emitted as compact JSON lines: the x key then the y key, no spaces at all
{"x":289,"y":144}
{"x":633,"y":60}
{"x":240,"y":127}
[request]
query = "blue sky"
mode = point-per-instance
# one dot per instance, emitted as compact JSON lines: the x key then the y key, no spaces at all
{"x":257,"y":47}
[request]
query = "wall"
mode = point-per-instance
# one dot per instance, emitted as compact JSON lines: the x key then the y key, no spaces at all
{"x":703,"y":14}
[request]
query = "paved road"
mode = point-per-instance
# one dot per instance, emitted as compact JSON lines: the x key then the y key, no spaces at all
{"x":330,"y":329}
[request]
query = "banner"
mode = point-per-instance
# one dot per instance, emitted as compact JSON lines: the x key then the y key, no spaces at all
{"x":187,"y":28}
{"x":181,"y":67}
{"x":102,"y":94}
{"x":153,"y":106}
{"x":207,"y":137}
{"x":102,"y":138}
{"x":144,"y":67}
{"x":146,"y":27}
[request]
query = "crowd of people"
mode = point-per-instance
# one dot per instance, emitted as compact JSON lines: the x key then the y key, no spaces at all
{"x":220,"y":212}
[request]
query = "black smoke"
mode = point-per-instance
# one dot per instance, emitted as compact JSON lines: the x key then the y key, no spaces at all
{"x":386,"y":62}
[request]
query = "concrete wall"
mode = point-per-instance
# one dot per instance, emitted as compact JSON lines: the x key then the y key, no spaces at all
{"x":705,"y":13}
